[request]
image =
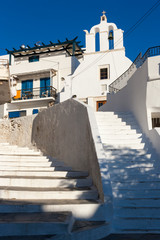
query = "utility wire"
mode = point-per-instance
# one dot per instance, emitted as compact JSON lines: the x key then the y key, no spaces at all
{"x":129,"y":31}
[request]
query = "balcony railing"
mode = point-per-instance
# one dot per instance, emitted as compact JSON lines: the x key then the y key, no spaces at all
{"x":121,"y":81}
{"x":35,"y":93}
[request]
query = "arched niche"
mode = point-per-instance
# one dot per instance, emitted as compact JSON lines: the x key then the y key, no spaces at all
{"x":111,"y":41}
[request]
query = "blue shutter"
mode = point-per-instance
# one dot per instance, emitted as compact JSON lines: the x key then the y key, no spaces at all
{"x":27,"y":86}
{"x":14,"y":114}
{"x":44,"y":86}
{"x":35,"y":111}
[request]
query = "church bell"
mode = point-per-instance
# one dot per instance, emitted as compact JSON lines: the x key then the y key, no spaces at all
{"x":110,"y":37}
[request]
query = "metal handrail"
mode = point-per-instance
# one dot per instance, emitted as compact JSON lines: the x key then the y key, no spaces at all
{"x":35,"y":93}
{"x":138,"y":62}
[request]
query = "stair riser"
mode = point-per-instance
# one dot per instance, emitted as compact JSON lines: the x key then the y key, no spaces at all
{"x":124,"y":142}
{"x":131,"y":165}
{"x":26,"y":168}
{"x":126,"y":152}
{"x":27,"y":164}
{"x":118,"y":127}
{"x":133,"y":171}
{"x":19,"y":153}
{"x":137,"y":203}
{"x":125,"y":146}
{"x":23,"y":229}
{"x":139,"y":194}
{"x":136,"y":186}
{"x":120,"y":137}
{"x":44,"y":174}
{"x":29,"y":195}
{"x":79,"y":211}
{"x":137,"y":224}
{"x":48,"y":183}
{"x":116,"y":123}
{"x":138,"y":212}
{"x":118,"y":132}
{"x":129,"y":159}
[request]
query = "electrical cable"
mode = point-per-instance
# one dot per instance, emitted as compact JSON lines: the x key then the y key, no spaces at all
{"x":129,"y":31}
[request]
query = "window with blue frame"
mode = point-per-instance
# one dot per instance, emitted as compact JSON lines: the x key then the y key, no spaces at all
{"x":34,"y":59}
{"x":35,"y":111}
{"x":45,"y":87}
{"x":27,"y":89}
{"x":17,"y":114}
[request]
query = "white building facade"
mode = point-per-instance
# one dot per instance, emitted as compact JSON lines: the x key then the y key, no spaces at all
{"x":47,"y":74}
{"x":100,"y":67}
{"x":37,"y":76}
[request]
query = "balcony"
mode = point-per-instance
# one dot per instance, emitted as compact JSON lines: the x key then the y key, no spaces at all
{"x":36,"y":93}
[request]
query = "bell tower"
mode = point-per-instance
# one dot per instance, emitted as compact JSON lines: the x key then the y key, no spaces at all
{"x":107,"y":32}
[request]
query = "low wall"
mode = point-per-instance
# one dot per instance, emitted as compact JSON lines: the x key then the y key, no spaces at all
{"x":17,"y":131}
{"x":63,"y":131}
{"x":69,"y":132}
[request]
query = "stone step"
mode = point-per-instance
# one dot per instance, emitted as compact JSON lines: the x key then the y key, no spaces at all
{"x":21,"y":224}
{"x":42,"y":183}
{"x":127,"y":152}
{"x":81,"y":209}
{"x":136,"y":194}
{"x":34,"y":168}
{"x":85,"y":230}
{"x":130,"y":165}
{"x":30,"y":163}
{"x":137,"y":212}
{"x":26,"y":164}
{"x":147,"y":158}
{"x":134,"y":224}
{"x":44,"y":174}
{"x":24,"y":158}
{"x":115,"y":118}
{"x":125,"y":142}
{"x":118,"y":128}
{"x":119,"y":132}
{"x":120,"y":137}
{"x":140,"y":177}
{"x":137,"y":203}
{"x":136,"y":185}
{"x":116,"y":122}
{"x":114,"y":114}
{"x":23,"y":193}
{"x":133,"y":171}
{"x":124,"y":146}
{"x":19,"y":153}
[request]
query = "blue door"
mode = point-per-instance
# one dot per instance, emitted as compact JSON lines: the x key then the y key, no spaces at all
{"x":27,"y":89}
{"x":45,"y":87}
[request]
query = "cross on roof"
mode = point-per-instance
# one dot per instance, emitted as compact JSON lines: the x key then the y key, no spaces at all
{"x":103,"y":12}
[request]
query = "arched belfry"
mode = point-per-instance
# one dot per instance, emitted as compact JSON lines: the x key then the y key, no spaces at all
{"x":107,"y":32}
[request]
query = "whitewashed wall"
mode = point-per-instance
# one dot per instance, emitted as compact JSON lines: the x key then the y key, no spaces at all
{"x":141,"y":97}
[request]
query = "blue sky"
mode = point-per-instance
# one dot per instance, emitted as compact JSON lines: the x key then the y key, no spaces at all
{"x":27,"y":22}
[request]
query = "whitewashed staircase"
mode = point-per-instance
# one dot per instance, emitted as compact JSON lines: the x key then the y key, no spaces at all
{"x":41,"y":198}
{"x":134,"y":169}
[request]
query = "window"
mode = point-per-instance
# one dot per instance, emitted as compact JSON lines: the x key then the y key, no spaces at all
{"x":34,"y":59}
{"x":17,"y":114}
{"x":155,"y":119}
{"x":27,"y":89}
{"x":35,"y":111}
{"x":100,"y":103}
{"x":104,"y":73}
{"x":45,"y":87}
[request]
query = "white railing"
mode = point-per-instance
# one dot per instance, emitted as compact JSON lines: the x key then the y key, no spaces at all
{"x":121,"y":81}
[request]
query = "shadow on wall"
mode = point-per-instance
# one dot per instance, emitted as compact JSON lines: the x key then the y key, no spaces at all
{"x":63,"y":131}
